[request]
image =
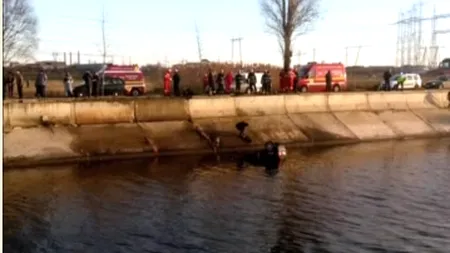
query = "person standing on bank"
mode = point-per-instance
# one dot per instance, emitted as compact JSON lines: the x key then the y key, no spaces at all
{"x":238,"y":80}
{"x":87,"y":78}
{"x":220,"y":82}
{"x":167,"y":82}
{"x":266,"y":81}
{"x":68,"y":84}
{"x":19,"y":83}
{"x":95,"y":84}
{"x":211,"y":80}
{"x":9,"y":81}
{"x":387,"y":77}
{"x":252,"y":80}
{"x":41,"y":84}
{"x":328,"y":81}
{"x":176,"y":83}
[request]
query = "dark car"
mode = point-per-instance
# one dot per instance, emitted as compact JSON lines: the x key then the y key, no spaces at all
{"x":111,"y":87}
{"x":440,"y":83}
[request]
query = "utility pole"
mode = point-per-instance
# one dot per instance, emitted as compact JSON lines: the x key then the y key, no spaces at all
{"x":238,"y":40}
{"x":299,"y":55}
{"x":314,"y":55}
{"x":199,"y":44}
{"x":103,"y":35}
{"x":359,"y":47}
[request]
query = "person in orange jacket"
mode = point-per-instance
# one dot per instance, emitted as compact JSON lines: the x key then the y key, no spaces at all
{"x":167,"y":82}
{"x":291,"y":76}
{"x":228,"y":82}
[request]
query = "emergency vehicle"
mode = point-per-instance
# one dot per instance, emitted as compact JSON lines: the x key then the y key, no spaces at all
{"x":130,"y":74}
{"x":312,"y":77}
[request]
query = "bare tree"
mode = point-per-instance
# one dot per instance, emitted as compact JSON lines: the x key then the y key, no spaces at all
{"x":19,"y":30}
{"x":288,"y":19}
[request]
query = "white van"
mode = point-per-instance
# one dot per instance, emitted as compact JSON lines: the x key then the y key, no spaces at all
{"x":413,"y":81}
{"x":245,"y":86}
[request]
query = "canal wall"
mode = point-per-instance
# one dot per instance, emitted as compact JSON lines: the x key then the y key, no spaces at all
{"x":60,"y":130}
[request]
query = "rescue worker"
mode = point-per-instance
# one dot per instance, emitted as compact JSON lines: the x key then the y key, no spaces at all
{"x":19,"y":83}
{"x":68,"y":84}
{"x":41,"y":83}
{"x":176,"y":83}
{"x":228,"y":82}
{"x":10,"y":83}
{"x":295,"y":80}
{"x":291,"y":78}
{"x":266,"y":81}
{"x":220,"y":80}
{"x":252,"y":81}
{"x":167,"y":82}
{"x":205,"y":82}
{"x":87,"y":78}
{"x":387,"y":77}
{"x":238,"y":80}
{"x":211,"y":80}
{"x":95,"y":84}
{"x":328,"y":81}
{"x":400,"y":81}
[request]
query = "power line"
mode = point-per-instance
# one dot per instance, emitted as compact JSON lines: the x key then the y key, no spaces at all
{"x":238,"y":40}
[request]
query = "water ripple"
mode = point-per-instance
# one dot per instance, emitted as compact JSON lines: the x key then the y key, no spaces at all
{"x":389,"y":197}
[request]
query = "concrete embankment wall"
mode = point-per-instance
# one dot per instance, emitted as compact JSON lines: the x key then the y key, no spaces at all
{"x":160,"y":126}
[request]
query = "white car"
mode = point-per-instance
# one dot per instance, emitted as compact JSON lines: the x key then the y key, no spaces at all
{"x":413,"y":81}
{"x":245,"y":85}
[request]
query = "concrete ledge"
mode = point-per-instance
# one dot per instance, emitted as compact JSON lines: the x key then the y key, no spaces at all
{"x":104,"y":112}
{"x":304,"y":103}
{"x":339,"y":102}
{"x":30,"y":114}
{"x":260,"y":105}
{"x":209,"y":107}
{"x":161,"y":109}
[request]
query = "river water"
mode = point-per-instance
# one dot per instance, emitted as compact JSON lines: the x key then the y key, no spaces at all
{"x":383,"y":197}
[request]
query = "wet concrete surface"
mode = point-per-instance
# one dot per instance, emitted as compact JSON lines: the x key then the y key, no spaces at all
{"x":372,"y":197}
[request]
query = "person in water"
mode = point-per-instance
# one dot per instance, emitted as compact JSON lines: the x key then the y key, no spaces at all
{"x":271,"y":157}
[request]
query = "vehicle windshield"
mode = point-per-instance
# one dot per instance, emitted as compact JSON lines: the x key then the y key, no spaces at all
{"x":303,"y":71}
{"x":394,"y":77}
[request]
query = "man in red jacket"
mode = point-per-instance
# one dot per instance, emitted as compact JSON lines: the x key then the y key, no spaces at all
{"x":228,"y":82}
{"x":167,"y":82}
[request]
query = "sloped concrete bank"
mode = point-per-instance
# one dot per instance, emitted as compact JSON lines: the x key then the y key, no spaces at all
{"x":65,"y":130}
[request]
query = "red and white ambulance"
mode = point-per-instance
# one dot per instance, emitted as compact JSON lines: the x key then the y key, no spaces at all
{"x":130,"y":74}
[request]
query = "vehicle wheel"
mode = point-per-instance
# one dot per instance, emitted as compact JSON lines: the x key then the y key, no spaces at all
{"x":416,"y":86}
{"x":304,"y":89}
{"x":134,"y":93}
{"x":441,"y":86}
{"x":80,"y":94}
{"x":336,"y":88}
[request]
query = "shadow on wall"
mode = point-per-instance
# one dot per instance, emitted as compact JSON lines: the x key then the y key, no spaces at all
{"x":432,"y":100}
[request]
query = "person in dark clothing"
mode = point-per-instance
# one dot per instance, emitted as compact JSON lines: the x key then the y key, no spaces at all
{"x":176,"y":83}
{"x":19,"y":83}
{"x":87,"y":78}
{"x":9,"y":83}
{"x":252,"y":80}
{"x":95,"y":84}
{"x":238,"y":80}
{"x":387,"y":77}
{"x":41,"y":84}
{"x":266,"y":81}
{"x":295,"y":80}
{"x":271,"y":157}
{"x":211,"y":80}
{"x":4,"y":83}
{"x":220,"y":80}
{"x":328,"y":81}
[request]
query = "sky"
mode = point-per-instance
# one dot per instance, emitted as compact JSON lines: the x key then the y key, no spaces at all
{"x":150,"y":31}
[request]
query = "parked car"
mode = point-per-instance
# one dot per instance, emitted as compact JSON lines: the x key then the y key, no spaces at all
{"x":111,"y":87}
{"x":413,"y":81}
{"x":245,"y":86}
{"x":439,"y":83}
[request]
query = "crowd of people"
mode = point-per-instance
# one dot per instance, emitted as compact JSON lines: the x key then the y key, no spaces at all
{"x":11,"y":79}
{"x":226,"y":83}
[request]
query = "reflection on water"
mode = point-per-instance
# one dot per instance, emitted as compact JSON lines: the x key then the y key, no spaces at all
{"x":386,"y":197}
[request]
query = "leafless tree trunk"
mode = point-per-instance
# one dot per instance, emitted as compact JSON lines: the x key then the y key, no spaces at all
{"x":287,"y":19}
{"x":19,"y":30}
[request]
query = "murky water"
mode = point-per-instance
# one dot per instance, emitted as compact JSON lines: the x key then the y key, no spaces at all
{"x":386,"y":197}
